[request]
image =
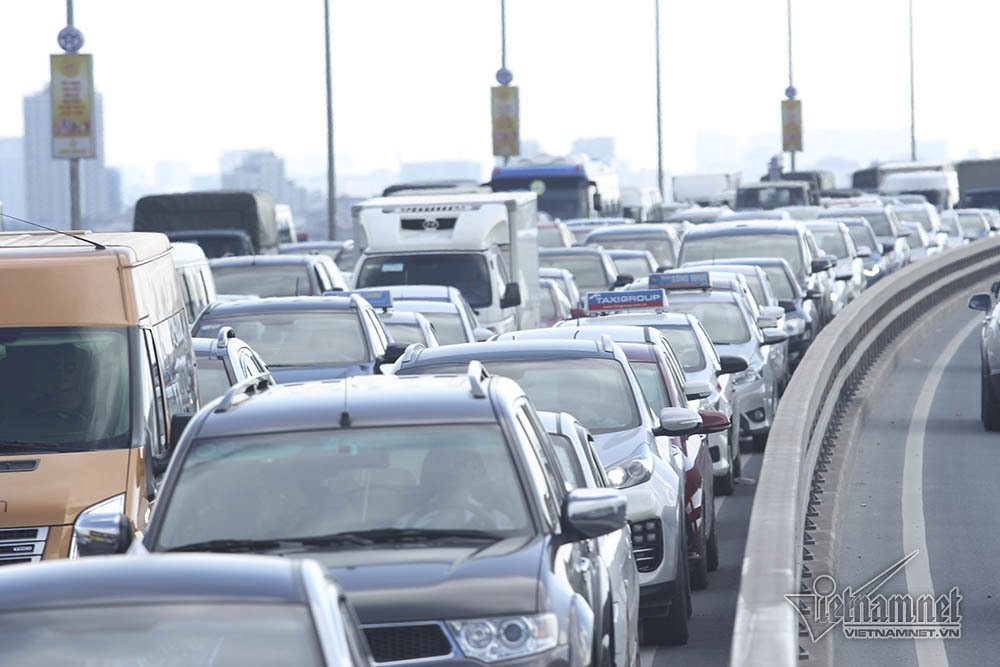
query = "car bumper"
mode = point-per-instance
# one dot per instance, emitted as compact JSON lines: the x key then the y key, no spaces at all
{"x":754,"y":419}
{"x":655,"y":600}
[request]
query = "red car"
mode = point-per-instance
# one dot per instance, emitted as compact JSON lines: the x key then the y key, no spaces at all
{"x":662,"y":380}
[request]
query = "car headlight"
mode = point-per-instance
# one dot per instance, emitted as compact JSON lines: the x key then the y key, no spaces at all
{"x":495,"y":639}
{"x":746,"y":377}
{"x":633,"y":470}
{"x":795,"y":326}
{"x":112,"y":507}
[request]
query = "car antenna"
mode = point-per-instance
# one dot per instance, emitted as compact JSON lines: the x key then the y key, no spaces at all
{"x":345,"y":416}
{"x":96,"y":245}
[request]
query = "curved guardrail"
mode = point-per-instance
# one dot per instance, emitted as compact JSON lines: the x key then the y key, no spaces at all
{"x":765,"y":631}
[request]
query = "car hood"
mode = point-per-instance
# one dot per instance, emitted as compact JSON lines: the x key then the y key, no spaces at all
{"x":287,"y":374}
{"x":616,"y":446}
{"x":420,"y":583}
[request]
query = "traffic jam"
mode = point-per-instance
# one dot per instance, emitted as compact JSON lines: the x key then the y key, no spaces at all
{"x":493,"y":427}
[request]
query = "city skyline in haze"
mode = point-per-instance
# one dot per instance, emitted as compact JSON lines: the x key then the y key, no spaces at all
{"x":186,"y":81}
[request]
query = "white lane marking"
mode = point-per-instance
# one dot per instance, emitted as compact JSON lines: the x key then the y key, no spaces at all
{"x":744,"y":462}
{"x":918,"y":572}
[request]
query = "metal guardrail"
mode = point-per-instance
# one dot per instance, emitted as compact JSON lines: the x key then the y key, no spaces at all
{"x":766,"y":631}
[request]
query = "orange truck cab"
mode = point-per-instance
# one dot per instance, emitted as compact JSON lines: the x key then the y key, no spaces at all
{"x":95,"y":361}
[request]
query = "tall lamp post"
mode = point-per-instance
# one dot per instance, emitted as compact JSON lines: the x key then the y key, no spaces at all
{"x":913,"y":126}
{"x":790,"y":91}
{"x":331,"y":181}
{"x":659,"y":114}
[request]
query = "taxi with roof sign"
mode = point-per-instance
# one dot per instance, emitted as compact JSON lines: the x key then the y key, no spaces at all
{"x":725,"y":306}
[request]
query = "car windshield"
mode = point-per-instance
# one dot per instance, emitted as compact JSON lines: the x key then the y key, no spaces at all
{"x":652,"y":384}
{"x":550,"y":236}
{"x":466,"y":272}
{"x":716,"y":247}
{"x":405,"y":334}
{"x":448,"y":328}
{"x":972,"y":224}
{"x":880,"y":223}
{"x":918,"y":215}
{"x":662,"y":249}
{"x":262,"y":280}
{"x":246,"y":633}
{"x":213,"y":381}
{"x":949,"y":223}
{"x":723,"y":320}
{"x":595,"y":391}
{"x":587,"y":269}
{"x":862,"y":237}
{"x":64,"y":389}
{"x":637,"y":267}
{"x":831,"y":242}
{"x":770,"y":197}
{"x":296,"y":338}
{"x":686,"y":348}
{"x":437,"y":477}
{"x":781,"y":283}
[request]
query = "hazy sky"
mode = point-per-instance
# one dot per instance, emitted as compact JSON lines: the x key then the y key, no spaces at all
{"x":188,"y":79}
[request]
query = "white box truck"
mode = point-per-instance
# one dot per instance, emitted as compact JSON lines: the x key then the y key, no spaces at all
{"x":484,"y":244}
{"x":707,"y":189}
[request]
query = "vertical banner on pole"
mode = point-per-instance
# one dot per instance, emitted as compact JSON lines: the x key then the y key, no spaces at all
{"x":791,"y":125}
{"x":506,"y":121}
{"x":72,"y":93}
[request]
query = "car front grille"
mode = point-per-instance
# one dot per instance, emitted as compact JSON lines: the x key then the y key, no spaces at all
{"x":22,"y":545}
{"x":395,"y":643}
{"x":647,"y":544}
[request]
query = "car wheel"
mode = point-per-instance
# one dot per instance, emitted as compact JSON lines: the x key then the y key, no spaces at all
{"x":672,"y":629}
{"x":699,"y":568}
{"x":989,"y":407}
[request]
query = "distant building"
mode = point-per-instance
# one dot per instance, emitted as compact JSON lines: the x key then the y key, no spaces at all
{"x":13,"y":191}
{"x":171,"y":177}
{"x":599,"y":148}
{"x":47,"y":179}
{"x":206,"y":182}
{"x":440,"y":170}
{"x":114,"y":189}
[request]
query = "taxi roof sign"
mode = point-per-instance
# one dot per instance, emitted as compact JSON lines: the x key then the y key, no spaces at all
{"x":598,"y":302}
{"x":378,"y":298}
{"x":681,"y":280}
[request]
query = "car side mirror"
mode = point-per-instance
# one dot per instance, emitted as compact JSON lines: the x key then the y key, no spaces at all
{"x":178,"y":423}
{"x":678,"y":422}
{"x":813,"y":293}
{"x":821,"y":264}
{"x":511,"y":296}
{"x":713,"y":421}
{"x":848,"y":275}
{"x":597,"y":201}
{"x":103,"y":534}
{"x":732,"y":364}
{"x":995,"y":288}
{"x":774,"y":336}
{"x":695,"y":390}
{"x":589,"y":513}
{"x":981,"y":301}
{"x":864,"y":251}
{"x":393,"y":352}
{"x":765,"y":322}
{"x":482,"y":334}
{"x":888,"y":247}
{"x":664,"y":267}
{"x":623,"y":279}
{"x":788,"y":305}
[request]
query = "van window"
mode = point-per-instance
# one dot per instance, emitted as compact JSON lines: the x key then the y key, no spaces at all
{"x":64,"y":389}
{"x":176,"y":357}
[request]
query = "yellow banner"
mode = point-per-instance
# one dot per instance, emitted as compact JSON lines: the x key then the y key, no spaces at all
{"x":72,"y":92}
{"x":506,"y":121}
{"x":791,"y":125}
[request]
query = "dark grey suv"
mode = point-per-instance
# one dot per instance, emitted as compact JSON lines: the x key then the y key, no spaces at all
{"x":434,"y":501}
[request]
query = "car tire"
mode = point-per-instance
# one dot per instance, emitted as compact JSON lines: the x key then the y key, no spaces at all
{"x":699,"y":568}
{"x":712,"y":550}
{"x":989,"y":406}
{"x":672,"y":629}
{"x":759,"y":441}
{"x":606,"y":657}
{"x":736,"y":465}
{"x":724,"y":486}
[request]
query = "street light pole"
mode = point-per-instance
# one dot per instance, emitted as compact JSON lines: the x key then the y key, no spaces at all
{"x":913,"y":121}
{"x":74,"y":163}
{"x":331,"y":181}
{"x":791,"y":86}
{"x":659,"y":113}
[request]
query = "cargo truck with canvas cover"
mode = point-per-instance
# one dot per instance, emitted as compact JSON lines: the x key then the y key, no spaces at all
{"x":222,"y":222}
{"x":483,"y":244}
{"x":95,"y":363}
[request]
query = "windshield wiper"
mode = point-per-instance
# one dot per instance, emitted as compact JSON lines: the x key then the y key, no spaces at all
{"x":368,"y":537}
{"x":231,"y":546}
{"x":24,"y":445}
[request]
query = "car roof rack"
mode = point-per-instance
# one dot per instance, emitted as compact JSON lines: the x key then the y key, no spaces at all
{"x":476,"y":374}
{"x":607,"y":343}
{"x":242,"y":391}
{"x":222,"y":339}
